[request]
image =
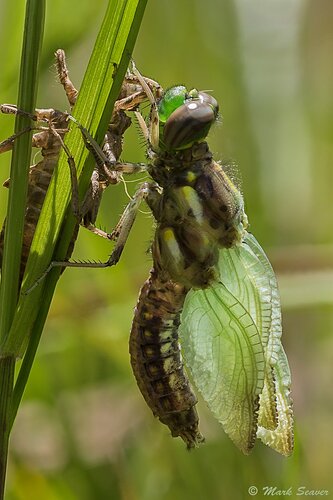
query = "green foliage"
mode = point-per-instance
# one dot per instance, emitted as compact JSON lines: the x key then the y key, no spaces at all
{"x":83,"y":431}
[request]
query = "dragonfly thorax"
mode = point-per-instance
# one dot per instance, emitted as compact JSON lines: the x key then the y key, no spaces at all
{"x":200,"y":212}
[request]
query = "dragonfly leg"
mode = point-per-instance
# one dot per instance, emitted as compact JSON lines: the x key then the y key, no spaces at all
{"x":11,"y":109}
{"x":134,"y":90}
{"x":125,"y":223}
{"x":133,"y":81}
{"x":102,"y":160}
{"x":119,"y":234}
{"x":153,"y":131}
{"x":7,"y":144}
{"x":62,"y":70}
{"x":49,"y":116}
{"x":41,"y":137}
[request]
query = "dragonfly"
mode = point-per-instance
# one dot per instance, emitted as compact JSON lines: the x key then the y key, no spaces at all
{"x":211,"y":286}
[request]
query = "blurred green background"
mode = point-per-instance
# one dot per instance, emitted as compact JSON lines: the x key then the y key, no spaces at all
{"x":83,"y":431}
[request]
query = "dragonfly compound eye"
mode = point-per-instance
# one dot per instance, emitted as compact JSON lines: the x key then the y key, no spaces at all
{"x":189,"y":123}
{"x":209,"y":100}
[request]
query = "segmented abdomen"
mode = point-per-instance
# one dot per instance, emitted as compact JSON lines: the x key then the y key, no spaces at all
{"x":156,"y":358}
{"x":39,"y":180}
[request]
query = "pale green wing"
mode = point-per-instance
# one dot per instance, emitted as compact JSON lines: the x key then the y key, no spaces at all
{"x":224,"y":353}
{"x":280,"y":438}
{"x":215,"y":351}
{"x":248,"y":277}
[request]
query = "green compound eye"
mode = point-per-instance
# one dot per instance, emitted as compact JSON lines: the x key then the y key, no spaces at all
{"x":171,"y":100}
{"x":187,"y":117}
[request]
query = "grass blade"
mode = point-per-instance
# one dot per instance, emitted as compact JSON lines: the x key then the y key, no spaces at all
{"x":32,"y":40}
{"x":98,"y":93}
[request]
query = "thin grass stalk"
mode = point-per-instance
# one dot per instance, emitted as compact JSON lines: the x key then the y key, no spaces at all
{"x":32,"y":40}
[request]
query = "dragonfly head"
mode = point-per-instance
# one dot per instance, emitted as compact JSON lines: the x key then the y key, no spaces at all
{"x":185,"y":117}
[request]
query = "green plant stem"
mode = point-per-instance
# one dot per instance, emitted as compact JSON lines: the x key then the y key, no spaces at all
{"x":33,"y":33}
{"x":7,"y":366}
{"x":29,"y":356}
{"x":32,"y":38}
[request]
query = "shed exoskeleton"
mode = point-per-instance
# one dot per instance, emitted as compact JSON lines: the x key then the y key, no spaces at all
{"x":50,"y":128}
